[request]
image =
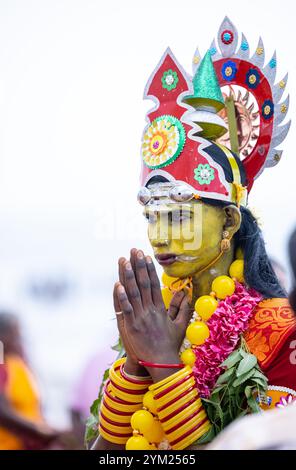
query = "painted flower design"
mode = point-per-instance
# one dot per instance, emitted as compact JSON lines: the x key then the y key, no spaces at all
{"x":285,"y":401}
{"x":163,"y":141}
{"x":169,"y":79}
{"x":252,"y":78}
{"x":204,"y":174}
{"x":229,"y":70}
{"x":267,"y":109}
{"x":258,"y":345}
{"x":227,"y":36}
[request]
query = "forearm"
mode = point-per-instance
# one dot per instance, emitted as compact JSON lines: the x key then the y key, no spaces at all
{"x":175,"y":406}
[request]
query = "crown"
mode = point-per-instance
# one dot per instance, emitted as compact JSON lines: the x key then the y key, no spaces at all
{"x":211,"y":135}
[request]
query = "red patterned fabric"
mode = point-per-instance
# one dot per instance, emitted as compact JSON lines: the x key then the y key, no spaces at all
{"x":272,"y":338}
{"x":282,"y":371}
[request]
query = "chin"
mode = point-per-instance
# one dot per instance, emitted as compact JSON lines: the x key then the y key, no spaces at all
{"x":180,"y":270}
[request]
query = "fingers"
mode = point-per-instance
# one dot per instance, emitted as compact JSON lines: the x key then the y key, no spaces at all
{"x":138,"y":263}
{"x":123,"y":318}
{"x":175,"y":304}
{"x":185,"y":312}
{"x":115,"y":297}
{"x":146,"y":280}
{"x":124,"y":305}
{"x":131,"y":289}
{"x":143,"y":279}
{"x":121,"y":263}
{"x":155,"y":285}
{"x":133,"y":256}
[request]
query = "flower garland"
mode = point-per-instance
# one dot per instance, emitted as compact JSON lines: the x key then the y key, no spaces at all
{"x":230,"y":320}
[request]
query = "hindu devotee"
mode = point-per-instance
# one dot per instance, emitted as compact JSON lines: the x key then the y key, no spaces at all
{"x":212,"y":343}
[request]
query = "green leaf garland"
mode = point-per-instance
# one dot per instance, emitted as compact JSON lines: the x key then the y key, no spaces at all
{"x":235,"y":392}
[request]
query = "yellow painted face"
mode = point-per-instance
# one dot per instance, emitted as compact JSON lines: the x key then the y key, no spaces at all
{"x":185,"y":237}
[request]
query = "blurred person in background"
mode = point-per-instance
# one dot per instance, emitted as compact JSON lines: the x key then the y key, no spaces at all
{"x":22,"y":425}
{"x":86,"y":390}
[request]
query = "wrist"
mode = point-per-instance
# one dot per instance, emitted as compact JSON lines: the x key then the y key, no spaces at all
{"x":133,"y":368}
{"x":158,"y":373}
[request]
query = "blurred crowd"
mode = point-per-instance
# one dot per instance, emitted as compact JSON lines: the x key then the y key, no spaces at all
{"x":23,"y":425}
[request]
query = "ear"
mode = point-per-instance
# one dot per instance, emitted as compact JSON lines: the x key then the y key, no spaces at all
{"x":233,"y":219}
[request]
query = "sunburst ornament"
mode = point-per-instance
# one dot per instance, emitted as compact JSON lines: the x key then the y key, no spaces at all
{"x":163,"y":142}
{"x":256,"y":76}
{"x":247,"y":117}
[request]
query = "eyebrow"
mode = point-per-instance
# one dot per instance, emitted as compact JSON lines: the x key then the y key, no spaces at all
{"x":148,"y":211}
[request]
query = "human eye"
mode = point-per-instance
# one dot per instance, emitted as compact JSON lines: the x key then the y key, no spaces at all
{"x":150,"y":217}
{"x":181,"y":215}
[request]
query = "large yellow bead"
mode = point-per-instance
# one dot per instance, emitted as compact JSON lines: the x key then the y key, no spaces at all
{"x":167,"y":296}
{"x":155,"y":433}
{"x":188,"y":357}
{"x":137,"y":443}
{"x":149,"y":402}
{"x":223,"y":286}
{"x":236,"y":270}
{"x":167,"y":280}
{"x":205,"y":306}
{"x":142,"y":421}
{"x":197,"y":332}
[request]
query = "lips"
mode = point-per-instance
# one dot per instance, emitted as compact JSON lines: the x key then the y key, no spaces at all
{"x":166,"y":259}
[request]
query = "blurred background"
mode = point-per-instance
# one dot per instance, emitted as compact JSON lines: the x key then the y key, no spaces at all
{"x":72,"y":74}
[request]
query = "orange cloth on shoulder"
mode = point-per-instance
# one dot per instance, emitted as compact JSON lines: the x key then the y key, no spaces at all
{"x":272,"y":323}
{"x":21,"y":392}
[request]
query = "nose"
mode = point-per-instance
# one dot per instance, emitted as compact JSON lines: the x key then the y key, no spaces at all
{"x":160,"y":243}
{"x":159,"y":233}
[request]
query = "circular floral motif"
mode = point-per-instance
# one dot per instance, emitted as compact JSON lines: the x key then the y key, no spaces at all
{"x":267,"y":109}
{"x":284,"y":108}
{"x":204,"y":174}
{"x":229,"y":70}
{"x":259,"y":50}
{"x":253,"y":78}
{"x":227,"y":36}
{"x":163,"y":142}
{"x":285,"y":401}
{"x":169,"y":79}
{"x":282,"y":84}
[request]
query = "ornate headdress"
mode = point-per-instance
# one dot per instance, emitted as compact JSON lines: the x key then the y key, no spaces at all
{"x":209,"y":137}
